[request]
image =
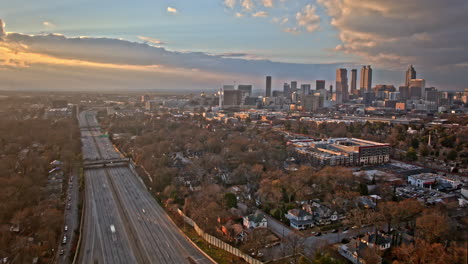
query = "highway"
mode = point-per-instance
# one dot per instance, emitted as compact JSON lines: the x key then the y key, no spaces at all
{"x":123,"y":223}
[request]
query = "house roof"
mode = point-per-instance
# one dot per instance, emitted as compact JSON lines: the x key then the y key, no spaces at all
{"x":256,"y":218}
{"x":298,"y":212}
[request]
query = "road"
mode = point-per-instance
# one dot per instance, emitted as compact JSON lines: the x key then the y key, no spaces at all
{"x":310,"y":243}
{"x":123,"y":222}
{"x":71,"y":218}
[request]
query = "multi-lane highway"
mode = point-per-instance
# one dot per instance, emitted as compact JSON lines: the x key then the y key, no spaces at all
{"x":123,"y":223}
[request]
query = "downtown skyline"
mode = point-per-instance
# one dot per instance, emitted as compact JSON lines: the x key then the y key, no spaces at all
{"x":174,"y":45}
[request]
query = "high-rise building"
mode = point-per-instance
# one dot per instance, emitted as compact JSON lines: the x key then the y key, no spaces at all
{"x":410,"y":74}
{"x":305,"y":89}
{"x":228,"y":87}
{"x":366,"y":79}
{"x":404,"y":92}
{"x":416,"y":87}
{"x":293,"y":86}
{"x":268,"y":86}
{"x":341,"y":85}
{"x":245,"y":88}
{"x":310,"y":103}
{"x":286,"y":90}
{"x":353,"y":82}
{"x":232,"y":97}
{"x":319,"y":84}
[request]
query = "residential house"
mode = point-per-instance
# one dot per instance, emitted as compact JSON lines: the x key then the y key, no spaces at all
{"x":353,"y":251}
{"x":377,"y":239}
{"x":257,"y":220}
{"x":300,"y":219}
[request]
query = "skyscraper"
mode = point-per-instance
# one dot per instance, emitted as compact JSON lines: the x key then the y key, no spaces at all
{"x":341,"y":86}
{"x":293,"y":86}
{"x":305,"y":89}
{"x":353,"y":81}
{"x":245,"y":88}
{"x":268,"y":86}
{"x":319,"y":84}
{"x":366,"y":79}
{"x":410,"y":74}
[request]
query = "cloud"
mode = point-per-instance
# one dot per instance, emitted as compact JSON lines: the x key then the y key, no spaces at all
{"x":151,"y":40}
{"x":308,"y":18}
{"x":267,"y":3}
{"x":239,"y":14}
{"x":430,"y":33}
{"x":2,"y":28}
{"x":260,"y":14}
{"x":292,"y":30}
{"x":171,"y":10}
{"x":48,"y":24}
{"x":248,"y":5}
{"x":230,"y":3}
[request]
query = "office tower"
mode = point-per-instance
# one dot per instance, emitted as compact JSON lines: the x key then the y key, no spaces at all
{"x":286,"y":90}
{"x":143,"y":99}
{"x":431,"y":94}
{"x":268,"y":86}
{"x":341,"y":86}
{"x":353,"y":82}
{"x":228,"y":87}
{"x":416,"y":87}
{"x":404,"y":92}
{"x":305,"y":89}
{"x":331,"y":92}
{"x":366,"y":79}
{"x":410,"y":74}
{"x":232,"y":97}
{"x":245,"y":88}
{"x":319,"y":84}
{"x":311,"y":103}
{"x":293,"y":86}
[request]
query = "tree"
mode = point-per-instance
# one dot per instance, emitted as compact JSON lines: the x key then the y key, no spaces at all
{"x":452,"y":155}
{"x":411,"y":154}
{"x":432,"y":226}
{"x":423,"y":252}
{"x":230,"y":200}
{"x":325,"y":258}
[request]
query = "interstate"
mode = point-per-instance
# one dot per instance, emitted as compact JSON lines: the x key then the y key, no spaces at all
{"x":123,"y":223}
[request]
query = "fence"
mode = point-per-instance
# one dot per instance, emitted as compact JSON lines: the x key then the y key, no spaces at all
{"x":217,"y":242}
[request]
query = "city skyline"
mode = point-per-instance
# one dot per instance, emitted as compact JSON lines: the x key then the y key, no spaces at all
{"x":158,"y":46}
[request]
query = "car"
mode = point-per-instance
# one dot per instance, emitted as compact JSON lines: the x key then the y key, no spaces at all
{"x":346,"y":229}
{"x":68,"y":206}
{"x":65,"y":228}
{"x":318,"y":234}
{"x":64,"y":240}
{"x":61,"y":252}
{"x":334,"y":231}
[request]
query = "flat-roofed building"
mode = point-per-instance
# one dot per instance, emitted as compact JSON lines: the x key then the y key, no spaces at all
{"x":343,"y":152}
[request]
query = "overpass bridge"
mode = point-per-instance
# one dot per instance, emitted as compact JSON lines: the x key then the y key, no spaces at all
{"x":106,"y":163}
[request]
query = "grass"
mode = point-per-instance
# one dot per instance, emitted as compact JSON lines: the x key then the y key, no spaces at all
{"x":217,"y":254}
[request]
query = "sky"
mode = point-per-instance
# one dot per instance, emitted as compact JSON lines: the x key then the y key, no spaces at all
{"x":201,"y":45}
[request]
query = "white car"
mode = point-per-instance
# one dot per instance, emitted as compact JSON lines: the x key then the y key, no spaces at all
{"x":66,"y":228}
{"x":64,"y":241}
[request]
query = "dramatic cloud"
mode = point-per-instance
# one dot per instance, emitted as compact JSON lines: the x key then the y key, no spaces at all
{"x":267,"y":3}
{"x":260,"y":14}
{"x":54,"y":61}
{"x":48,"y":24}
{"x":248,"y":5}
{"x":2,"y":28}
{"x":230,"y":3}
{"x":151,"y":40}
{"x":171,"y":10}
{"x":308,"y":18}
{"x":431,"y":33}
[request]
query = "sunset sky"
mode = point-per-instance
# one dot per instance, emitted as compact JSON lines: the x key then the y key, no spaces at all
{"x":186,"y":44}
